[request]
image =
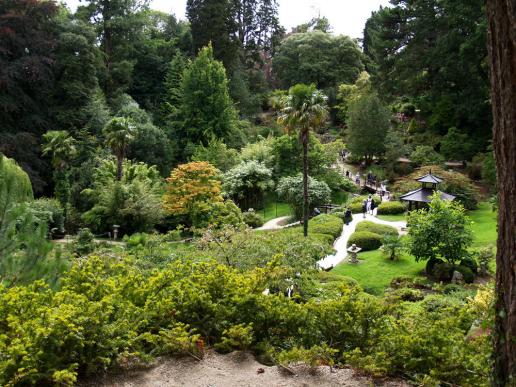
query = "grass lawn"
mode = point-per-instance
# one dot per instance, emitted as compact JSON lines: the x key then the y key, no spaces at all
{"x":375,"y":272}
{"x":275,"y":210}
{"x":393,"y":218}
{"x":484,"y":225}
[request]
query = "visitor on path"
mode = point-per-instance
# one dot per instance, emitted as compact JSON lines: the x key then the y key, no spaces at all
{"x":317,"y":211}
{"x":383,"y":188}
{"x":364,"y":207}
{"x":357,"y":178}
{"x":347,"y":216}
{"x":373,"y":206}
{"x":369,"y":177}
{"x":347,"y":174}
{"x":369,"y":204}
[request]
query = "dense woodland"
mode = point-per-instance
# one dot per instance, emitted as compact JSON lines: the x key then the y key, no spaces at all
{"x":179,"y":137}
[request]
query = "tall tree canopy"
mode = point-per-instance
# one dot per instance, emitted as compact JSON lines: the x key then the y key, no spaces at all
{"x":317,"y":57}
{"x":434,"y":52}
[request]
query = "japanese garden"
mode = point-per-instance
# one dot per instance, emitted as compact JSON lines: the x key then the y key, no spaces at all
{"x":219,"y":195}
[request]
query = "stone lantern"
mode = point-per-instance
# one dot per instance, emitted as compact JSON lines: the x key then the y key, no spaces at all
{"x":353,"y":250}
{"x":115,"y":231}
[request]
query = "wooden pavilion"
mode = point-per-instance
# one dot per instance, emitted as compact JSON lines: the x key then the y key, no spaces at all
{"x":422,"y":196}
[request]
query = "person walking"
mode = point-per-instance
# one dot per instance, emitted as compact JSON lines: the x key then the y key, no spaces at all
{"x":348,"y":217}
{"x":364,"y":208}
{"x":369,"y":204}
{"x":357,"y":178}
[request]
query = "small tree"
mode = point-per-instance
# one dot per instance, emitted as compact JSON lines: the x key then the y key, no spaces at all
{"x":291,"y":190}
{"x":392,"y":246}
{"x":191,"y":184}
{"x":247,"y":183}
{"x":440,"y":233}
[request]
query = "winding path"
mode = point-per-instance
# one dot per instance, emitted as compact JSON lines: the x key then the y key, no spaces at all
{"x":340,"y":244}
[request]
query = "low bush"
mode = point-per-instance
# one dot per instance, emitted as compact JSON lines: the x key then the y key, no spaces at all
{"x":366,"y":240}
{"x":405,"y":294}
{"x":252,"y":219}
{"x":85,"y":242}
{"x":326,"y":224}
{"x":466,"y":272}
{"x":381,"y":229}
{"x":470,"y":263}
{"x":442,"y":271}
{"x":391,"y":208}
{"x":50,"y":211}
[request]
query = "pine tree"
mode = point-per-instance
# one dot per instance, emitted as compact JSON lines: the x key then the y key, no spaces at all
{"x":207,"y":108}
{"x":171,"y":105}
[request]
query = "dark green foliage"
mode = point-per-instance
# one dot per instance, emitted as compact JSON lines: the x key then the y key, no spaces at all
{"x":368,"y":123}
{"x":467,"y":273}
{"x":326,"y":224}
{"x":319,"y":58}
{"x":426,"y":155}
{"x":366,"y":240}
{"x":217,"y":154}
{"x":471,"y":263}
{"x":206,"y":108}
{"x":391,"y":208}
{"x":434,"y":52}
{"x":376,"y":228}
{"x":253,"y":219}
{"x":85,"y":242}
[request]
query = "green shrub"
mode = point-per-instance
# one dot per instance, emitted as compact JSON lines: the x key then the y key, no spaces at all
{"x":237,"y":337}
{"x":85,"y":242}
{"x":452,"y":288}
{"x":381,"y":229}
{"x":326,"y":224}
{"x":391,"y":208}
{"x":50,"y":211}
{"x":471,"y":263}
{"x":355,"y":207}
{"x":466,"y":272}
{"x":253,"y":219}
{"x":136,"y":240}
{"x":366,"y":240}
{"x":401,"y":282}
{"x":443,"y":271}
{"x":406,"y":294}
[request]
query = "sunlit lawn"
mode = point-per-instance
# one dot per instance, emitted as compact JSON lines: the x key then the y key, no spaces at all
{"x":275,"y":210}
{"x":484,"y":225}
{"x":375,"y":272}
{"x":393,"y":218}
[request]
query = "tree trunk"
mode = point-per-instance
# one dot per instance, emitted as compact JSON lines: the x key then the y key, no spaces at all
{"x":502,"y":54}
{"x":119,"y":166}
{"x":305,"y":184}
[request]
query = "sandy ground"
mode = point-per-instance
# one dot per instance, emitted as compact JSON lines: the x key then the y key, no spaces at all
{"x":234,"y":369}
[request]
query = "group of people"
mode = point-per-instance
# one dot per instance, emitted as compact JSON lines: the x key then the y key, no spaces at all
{"x":368,"y":206}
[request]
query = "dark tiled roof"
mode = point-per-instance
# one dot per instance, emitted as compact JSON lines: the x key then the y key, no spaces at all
{"x":424,"y":195}
{"x":429,"y":178}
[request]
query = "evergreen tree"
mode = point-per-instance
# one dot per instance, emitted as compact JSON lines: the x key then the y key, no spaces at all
{"x":368,"y":123}
{"x":171,"y":104}
{"x":206,"y":109}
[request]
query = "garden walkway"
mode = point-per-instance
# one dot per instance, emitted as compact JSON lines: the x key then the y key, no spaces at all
{"x":277,"y":223}
{"x":340,"y":244}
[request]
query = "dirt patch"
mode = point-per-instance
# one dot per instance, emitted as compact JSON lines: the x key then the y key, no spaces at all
{"x":234,"y":369}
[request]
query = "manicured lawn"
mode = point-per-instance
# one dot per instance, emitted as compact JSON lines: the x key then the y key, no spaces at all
{"x":484,"y":225}
{"x":393,"y":218}
{"x":375,"y":272}
{"x":275,"y":210}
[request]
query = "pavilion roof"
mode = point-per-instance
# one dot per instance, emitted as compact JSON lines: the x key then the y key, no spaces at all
{"x":423,"y":195}
{"x":430,"y":178}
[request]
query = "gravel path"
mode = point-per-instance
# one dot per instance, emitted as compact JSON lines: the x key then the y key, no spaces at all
{"x":234,"y":369}
{"x":276,"y":223}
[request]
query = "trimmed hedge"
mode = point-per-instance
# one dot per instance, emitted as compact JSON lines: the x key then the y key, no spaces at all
{"x":326,"y":224}
{"x":391,"y":208}
{"x":366,"y":240}
{"x":381,"y":229}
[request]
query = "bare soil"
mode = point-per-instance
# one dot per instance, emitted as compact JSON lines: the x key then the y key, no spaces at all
{"x":234,"y":369}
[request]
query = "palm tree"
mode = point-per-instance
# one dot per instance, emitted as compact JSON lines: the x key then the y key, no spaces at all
{"x":61,"y":146}
{"x":304,"y":109}
{"x":119,"y":132}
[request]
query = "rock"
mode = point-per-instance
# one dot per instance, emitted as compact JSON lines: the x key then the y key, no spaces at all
{"x":457,"y":278}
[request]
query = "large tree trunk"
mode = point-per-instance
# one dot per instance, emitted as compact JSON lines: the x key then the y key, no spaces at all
{"x":305,"y":184}
{"x":502,"y":52}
